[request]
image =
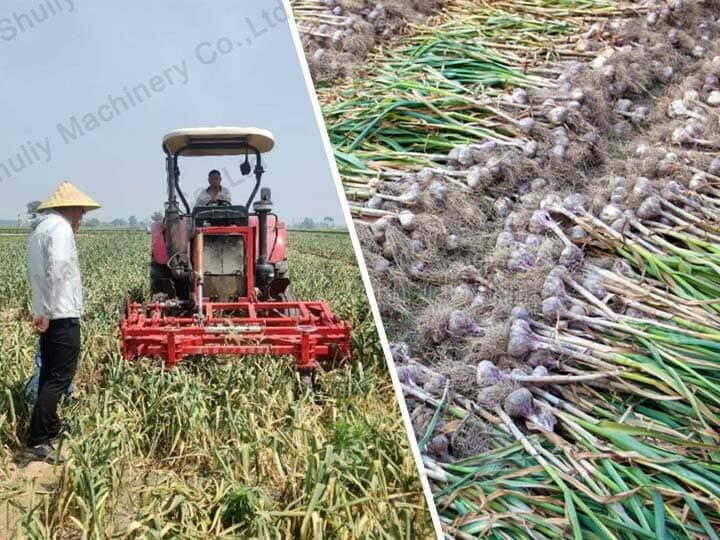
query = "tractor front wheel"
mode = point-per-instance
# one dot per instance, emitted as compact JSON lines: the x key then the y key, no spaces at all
{"x":160,"y":279}
{"x":288,"y":296}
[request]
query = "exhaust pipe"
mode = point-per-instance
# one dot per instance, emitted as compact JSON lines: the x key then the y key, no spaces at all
{"x":199,"y":246}
{"x":264,"y":272}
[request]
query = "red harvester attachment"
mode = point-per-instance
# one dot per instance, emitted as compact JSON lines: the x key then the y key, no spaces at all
{"x":314,"y":335}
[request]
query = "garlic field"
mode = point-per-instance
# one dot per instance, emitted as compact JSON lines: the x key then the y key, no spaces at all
{"x":535,"y":185}
{"x":214,"y":448}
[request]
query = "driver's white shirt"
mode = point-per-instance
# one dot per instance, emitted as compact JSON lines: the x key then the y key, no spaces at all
{"x":204,"y":197}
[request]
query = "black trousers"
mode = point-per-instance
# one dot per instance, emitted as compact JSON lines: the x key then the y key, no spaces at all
{"x":60,"y":350}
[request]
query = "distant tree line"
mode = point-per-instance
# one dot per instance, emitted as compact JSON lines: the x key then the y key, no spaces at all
{"x":328,"y":222}
{"x":131,"y":222}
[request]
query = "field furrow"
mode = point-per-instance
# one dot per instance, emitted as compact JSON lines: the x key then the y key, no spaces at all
{"x":217,"y":447}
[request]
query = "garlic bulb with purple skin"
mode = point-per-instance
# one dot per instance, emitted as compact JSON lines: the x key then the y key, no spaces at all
{"x":558,"y":151}
{"x":378,"y":229}
{"x":577,"y":233}
{"x":677,"y":109}
{"x":482,"y":150}
{"x":666,"y":74}
{"x":462,"y":294}
{"x":560,"y":136}
{"x":465,"y":156}
{"x":460,"y":325}
{"x":593,"y":284}
{"x":407,"y":220}
{"x":610,"y":213}
{"x":553,"y":309}
{"x":521,"y":340}
{"x":487,"y":374}
{"x":438,"y":445}
{"x":619,"y":225}
{"x":559,"y":272}
{"x":554,"y":286}
{"x":513,"y":221}
{"x":650,"y":208}
{"x":571,"y":256}
{"x":714,"y":167}
{"x":635,"y":313}
{"x":502,"y":206}
{"x":436,"y":385}
{"x":493,"y":165}
{"x":557,"y":115}
{"x":438,"y":191}
{"x":416,"y":269}
{"x":520,"y":404}
{"x":480,"y":300}
{"x":698,"y":183}
{"x":411,"y":374}
{"x":525,"y":125}
{"x":542,"y":358}
{"x":504,"y":240}
{"x":551,"y":202}
{"x":530,"y":148}
{"x":540,"y":221}
{"x":476,"y":176}
{"x":643,"y":187}
{"x":575,"y":203}
{"x":381,"y":267}
{"x":540,"y":371}
{"x":520,"y":313}
{"x":400,"y":351}
{"x":519,"y":96}
{"x":517,"y":372}
{"x":622,"y":105}
{"x":425,"y":176}
{"x":375,"y":202}
{"x":520,"y":260}
{"x":538,"y":184}
{"x":618,"y":195}
{"x":533,"y":240}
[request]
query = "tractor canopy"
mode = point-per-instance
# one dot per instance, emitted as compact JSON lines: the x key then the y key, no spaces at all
{"x":217,"y":141}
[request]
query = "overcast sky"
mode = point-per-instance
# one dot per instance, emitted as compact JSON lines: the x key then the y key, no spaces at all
{"x":89,"y":92}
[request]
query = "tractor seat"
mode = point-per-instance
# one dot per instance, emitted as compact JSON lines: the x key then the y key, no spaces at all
{"x":219,"y":216}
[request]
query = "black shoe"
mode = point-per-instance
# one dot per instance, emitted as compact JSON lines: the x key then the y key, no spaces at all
{"x":46,"y":452}
{"x":57,"y":439}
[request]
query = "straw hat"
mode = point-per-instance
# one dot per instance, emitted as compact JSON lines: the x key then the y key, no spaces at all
{"x":68,"y":195}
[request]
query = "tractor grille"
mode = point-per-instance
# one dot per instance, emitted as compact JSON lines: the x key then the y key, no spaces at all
{"x":224,"y":268}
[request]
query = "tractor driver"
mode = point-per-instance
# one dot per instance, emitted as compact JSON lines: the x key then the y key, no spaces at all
{"x":214,"y":192}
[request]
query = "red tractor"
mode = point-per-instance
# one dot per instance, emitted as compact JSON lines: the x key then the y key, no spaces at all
{"x":219,"y":273}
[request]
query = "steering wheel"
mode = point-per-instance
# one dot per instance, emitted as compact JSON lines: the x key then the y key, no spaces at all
{"x":219,"y":202}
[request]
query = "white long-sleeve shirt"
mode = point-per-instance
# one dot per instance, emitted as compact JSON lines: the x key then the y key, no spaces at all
{"x":53,"y":269}
{"x":205,"y":197}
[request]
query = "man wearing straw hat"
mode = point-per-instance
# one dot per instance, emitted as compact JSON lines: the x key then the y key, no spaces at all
{"x":57,"y":305}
